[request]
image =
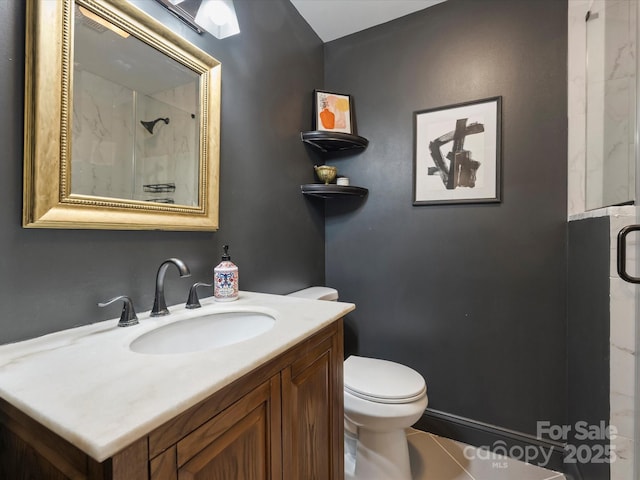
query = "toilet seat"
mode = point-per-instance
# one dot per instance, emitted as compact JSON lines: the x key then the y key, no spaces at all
{"x":382,"y":381}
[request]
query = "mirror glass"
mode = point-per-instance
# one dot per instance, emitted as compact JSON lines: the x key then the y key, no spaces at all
{"x":135,"y":118}
{"x":122,"y":121}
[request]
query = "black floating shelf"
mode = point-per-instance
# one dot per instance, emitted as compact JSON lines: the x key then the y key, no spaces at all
{"x":334,"y":141}
{"x":332,"y":191}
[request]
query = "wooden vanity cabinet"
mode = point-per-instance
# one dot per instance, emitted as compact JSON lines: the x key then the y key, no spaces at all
{"x":283,"y":420}
{"x":242,"y":441}
{"x":312,"y":414}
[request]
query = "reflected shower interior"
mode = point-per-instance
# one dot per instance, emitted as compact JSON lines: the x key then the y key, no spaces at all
{"x":134,"y":135}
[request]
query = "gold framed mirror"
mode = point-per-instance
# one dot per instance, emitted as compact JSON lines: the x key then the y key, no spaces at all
{"x":122,"y":121}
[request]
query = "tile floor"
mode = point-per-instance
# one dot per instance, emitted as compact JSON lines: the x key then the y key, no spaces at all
{"x":438,"y":458}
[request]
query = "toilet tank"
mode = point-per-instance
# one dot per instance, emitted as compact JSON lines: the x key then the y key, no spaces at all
{"x":317,"y":293}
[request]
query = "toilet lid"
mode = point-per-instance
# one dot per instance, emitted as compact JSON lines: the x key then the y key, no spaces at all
{"x":382,"y":381}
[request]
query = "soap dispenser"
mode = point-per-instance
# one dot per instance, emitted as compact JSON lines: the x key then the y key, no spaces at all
{"x":225,"y":279}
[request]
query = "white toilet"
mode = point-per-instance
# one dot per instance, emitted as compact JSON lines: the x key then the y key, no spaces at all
{"x":381,"y":400}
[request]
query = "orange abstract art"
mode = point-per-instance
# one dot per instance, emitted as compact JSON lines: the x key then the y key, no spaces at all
{"x":333,"y":112}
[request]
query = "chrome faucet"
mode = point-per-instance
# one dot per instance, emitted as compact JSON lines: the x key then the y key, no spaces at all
{"x":159,"y":304}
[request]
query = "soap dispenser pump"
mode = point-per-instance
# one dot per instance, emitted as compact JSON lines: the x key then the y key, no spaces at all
{"x":225,"y":279}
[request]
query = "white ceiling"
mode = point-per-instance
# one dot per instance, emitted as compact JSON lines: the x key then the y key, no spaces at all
{"x":332,"y":19}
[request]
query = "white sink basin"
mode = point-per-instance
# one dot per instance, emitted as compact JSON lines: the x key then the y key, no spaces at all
{"x":203,"y":333}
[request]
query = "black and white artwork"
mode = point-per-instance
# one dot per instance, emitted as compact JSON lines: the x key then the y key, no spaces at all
{"x":457,"y":153}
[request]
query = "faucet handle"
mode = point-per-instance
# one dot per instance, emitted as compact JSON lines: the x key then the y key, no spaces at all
{"x":193,"y":301}
{"x":128,"y":316}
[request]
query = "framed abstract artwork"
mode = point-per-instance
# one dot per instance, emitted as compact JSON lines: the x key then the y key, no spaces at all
{"x":333,"y":112}
{"x":457,"y":153}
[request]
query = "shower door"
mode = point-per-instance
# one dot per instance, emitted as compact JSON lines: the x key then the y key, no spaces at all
{"x":628,"y":253}
{"x":617,"y":182}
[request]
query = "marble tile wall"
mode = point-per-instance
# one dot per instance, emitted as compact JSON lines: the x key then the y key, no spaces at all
{"x":622,"y":346}
{"x":619,"y":101}
{"x":576,"y":96}
{"x":595,"y":103}
{"x":601,"y":131}
{"x":102,"y":139}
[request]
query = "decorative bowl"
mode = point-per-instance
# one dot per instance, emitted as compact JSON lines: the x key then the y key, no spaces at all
{"x":326,"y":173}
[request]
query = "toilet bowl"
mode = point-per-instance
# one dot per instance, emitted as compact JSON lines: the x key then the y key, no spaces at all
{"x":381,"y":399}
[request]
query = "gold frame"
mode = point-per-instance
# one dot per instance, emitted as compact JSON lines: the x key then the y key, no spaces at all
{"x":47,"y":199}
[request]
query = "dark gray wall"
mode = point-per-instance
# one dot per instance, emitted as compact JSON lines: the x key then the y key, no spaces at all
{"x":472,"y":296}
{"x":50,"y":280}
{"x":588,"y":356}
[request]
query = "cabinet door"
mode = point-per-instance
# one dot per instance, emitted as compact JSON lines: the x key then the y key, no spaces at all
{"x":312,"y":414}
{"x":29,"y":450}
{"x":242,"y":442}
{"x":18,"y":459}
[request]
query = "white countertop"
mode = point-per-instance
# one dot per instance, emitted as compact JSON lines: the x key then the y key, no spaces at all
{"x":86,"y":385}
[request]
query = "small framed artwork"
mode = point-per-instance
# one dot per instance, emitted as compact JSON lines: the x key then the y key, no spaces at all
{"x":333,"y":112}
{"x":457,"y":154}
